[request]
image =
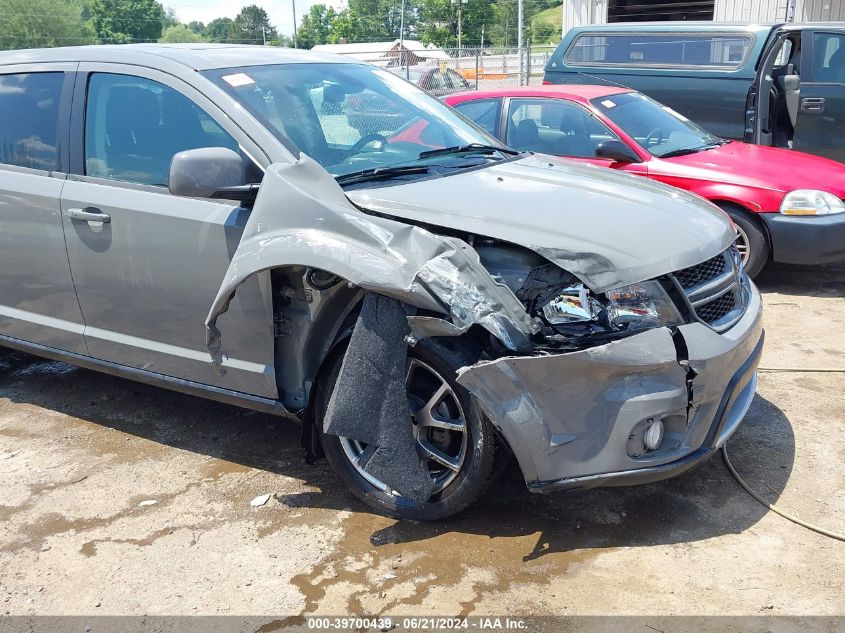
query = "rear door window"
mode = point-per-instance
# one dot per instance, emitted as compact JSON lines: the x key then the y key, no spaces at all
{"x":456,"y":82}
{"x":436,"y":81}
{"x":134,"y":126}
{"x":29,"y":117}
{"x":485,"y":113}
{"x":671,"y":50}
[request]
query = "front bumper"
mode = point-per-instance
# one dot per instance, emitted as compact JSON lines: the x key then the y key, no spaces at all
{"x":576,"y":420}
{"x":806,"y":239}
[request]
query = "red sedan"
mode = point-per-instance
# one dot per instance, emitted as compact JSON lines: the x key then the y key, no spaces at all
{"x":787,"y":206}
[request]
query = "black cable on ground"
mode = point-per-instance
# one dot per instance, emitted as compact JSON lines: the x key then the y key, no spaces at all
{"x":774,"y":508}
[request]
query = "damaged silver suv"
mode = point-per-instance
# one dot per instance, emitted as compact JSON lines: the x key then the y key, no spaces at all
{"x":319,"y":239}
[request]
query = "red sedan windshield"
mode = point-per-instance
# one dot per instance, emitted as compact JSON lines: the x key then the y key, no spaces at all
{"x":658,"y":129}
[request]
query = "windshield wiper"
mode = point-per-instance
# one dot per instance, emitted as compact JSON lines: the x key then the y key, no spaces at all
{"x":683,"y":151}
{"x":379,"y":173}
{"x":474,"y":148}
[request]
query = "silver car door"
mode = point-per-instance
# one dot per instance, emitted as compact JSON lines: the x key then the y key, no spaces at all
{"x":147,"y":264}
{"x":37,"y":299}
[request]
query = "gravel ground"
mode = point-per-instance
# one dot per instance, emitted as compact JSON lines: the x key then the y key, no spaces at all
{"x":117,"y":498}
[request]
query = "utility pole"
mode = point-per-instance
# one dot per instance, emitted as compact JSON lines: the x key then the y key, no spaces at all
{"x":294,"y":22}
{"x":402,"y":40}
{"x":460,"y":13}
{"x":519,"y":19}
{"x":460,"y":4}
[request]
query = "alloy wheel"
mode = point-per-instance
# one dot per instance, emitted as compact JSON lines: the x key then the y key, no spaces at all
{"x":742,"y":245}
{"x":439,"y":428}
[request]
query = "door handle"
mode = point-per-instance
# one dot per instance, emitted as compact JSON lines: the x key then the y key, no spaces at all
{"x":813,"y":105}
{"x":89,"y":214}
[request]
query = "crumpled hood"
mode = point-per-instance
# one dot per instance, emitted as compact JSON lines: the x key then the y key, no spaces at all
{"x":609,"y":229}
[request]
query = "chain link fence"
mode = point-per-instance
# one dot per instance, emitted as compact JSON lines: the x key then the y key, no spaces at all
{"x":445,"y":70}
{"x":489,"y":68}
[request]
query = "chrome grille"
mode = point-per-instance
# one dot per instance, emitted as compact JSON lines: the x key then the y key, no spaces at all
{"x":716,"y":290}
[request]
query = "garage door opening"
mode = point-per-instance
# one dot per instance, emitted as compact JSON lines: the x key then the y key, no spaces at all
{"x":659,"y":10}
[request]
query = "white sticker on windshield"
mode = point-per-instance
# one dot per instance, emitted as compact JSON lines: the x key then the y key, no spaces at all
{"x":238,"y":79}
{"x":677,"y":115}
{"x":607,"y":103}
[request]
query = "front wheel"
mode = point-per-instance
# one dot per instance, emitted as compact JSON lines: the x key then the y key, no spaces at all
{"x":458,"y":444}
{"x":751,"y":241}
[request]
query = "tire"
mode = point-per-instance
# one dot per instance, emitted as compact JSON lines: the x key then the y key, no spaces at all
{"x":482,"y":449}
{"x":751,"y":239}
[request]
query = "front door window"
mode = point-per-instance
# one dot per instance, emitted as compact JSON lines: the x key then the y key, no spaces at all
{"x":134,"y":126}
{"x":553,"y":126}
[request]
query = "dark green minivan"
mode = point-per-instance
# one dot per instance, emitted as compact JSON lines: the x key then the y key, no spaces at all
{"x":771,"y":84}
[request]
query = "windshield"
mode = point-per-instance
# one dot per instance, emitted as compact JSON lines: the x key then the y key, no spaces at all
{"x":658,"y":129}
{"x":352,"y":118}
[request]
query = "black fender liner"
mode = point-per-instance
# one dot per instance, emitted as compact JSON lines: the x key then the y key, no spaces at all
{"x":369,"y":402}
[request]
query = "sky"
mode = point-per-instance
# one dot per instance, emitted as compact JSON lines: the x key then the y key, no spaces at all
{"x":280,"y":11}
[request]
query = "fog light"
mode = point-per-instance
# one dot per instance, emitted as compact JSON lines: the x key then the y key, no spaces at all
{"x":653,"y":435}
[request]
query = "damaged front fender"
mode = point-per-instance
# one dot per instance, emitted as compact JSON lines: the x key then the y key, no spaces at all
{"x":302,"y":217}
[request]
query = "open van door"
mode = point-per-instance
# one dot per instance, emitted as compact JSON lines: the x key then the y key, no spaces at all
{"x":772,"y":105}
{"x":821,"y":107}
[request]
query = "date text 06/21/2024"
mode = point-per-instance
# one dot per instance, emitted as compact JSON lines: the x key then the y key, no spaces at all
{"x":424,"y":623}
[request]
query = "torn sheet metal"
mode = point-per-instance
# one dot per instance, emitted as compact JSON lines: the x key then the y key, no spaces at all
{"x":573,"y":415}
{"x":425,"y":327}
{"x":302,"y":217}
{"x":597,"y":224}
{"x":369,"y":402}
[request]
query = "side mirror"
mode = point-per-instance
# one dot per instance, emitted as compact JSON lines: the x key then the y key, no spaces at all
{"x":616,"y":151}
{"x":207,"y":172}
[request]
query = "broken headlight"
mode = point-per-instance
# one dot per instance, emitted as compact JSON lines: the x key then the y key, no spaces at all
{"x":572,"y":305}
{"x":639,"y":306}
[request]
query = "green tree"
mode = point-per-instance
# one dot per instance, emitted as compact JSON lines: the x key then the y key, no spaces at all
{"x":543,"y":32}
{"x":170,"y":18}
{"x":180,"y":33}
{"x":316,"y":26}
{"x":122,"y":21}
{"x":252,"y":26}
{"x":42,"y":23}
{"x":282,"y":40}
{"x":504,"y":29}
{"x":436,"y":23}
{"x":372,"y":21}
{"x":439,"y":22}
{"x":218,"y":30}
{"x":197,"y":27}
{"x":343,"y":28}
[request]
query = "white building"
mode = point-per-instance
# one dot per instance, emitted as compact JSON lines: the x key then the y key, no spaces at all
{"x":581,"y":12}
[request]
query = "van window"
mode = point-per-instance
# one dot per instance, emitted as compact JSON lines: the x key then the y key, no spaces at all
{"x":134,"y":126}
{"x":29,"y":111}
{"x":658,"y":49}
{"x":829,"y":58}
